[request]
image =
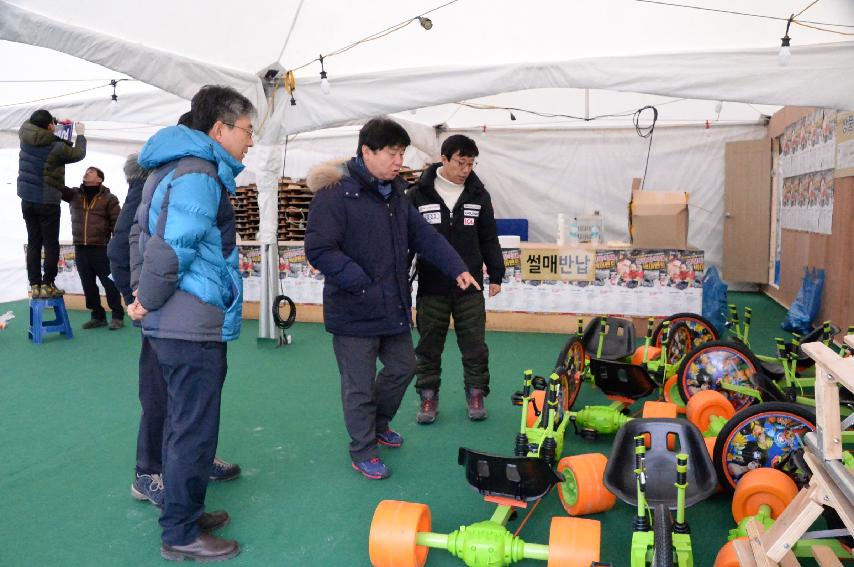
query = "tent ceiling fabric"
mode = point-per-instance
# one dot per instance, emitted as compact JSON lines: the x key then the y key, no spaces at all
{"x":169,"y":71}
{"x":751,"y":76}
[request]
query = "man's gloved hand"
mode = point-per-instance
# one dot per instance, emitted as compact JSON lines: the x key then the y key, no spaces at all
{"x":81,"y":128}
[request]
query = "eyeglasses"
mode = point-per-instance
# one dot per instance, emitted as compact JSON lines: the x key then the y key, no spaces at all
{"x":465,"y":164}
{"x":249,"y":131}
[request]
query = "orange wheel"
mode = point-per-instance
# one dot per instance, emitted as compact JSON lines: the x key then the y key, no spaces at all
{"x":538,"y":400}
{"x":704,"y":405}
{"x":652,"y":353}
{"x":726,"y":556}
{"x":659,"y":409}
{"x":583,"y":489}
{"x":574,"y":542}
{"x":671,"y":393}
{"x":393,"y":531}
{"x":762,"y":486}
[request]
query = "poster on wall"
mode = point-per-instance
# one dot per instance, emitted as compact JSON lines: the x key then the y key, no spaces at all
{"x":845,"y":144}
{"x":808,"y":202}
{"x":638,"y":283}
{"x":625,"y":282}
{"x":297,"y":278}
{"x":808,"y":154}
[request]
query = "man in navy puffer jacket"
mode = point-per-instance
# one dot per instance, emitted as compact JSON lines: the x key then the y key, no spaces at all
{"x":360,"y":230}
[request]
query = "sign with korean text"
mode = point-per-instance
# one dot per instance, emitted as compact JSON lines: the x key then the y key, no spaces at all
{"x":561,"y":264}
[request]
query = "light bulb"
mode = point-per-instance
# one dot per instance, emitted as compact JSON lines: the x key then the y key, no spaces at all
{"x":425,"y":22}
{"x":785,"y":53}
{"x":325,"y":87}
{"x":719,"y":106}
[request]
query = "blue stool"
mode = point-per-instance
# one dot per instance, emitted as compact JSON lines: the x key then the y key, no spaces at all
{"x":38,"y":326}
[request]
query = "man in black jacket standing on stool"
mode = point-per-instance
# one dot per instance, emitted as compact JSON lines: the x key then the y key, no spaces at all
{"x":452,"y":198}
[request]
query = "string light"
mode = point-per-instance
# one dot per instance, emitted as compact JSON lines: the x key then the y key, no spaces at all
{"x":425,"y":22}
{"x":785,"y":53}
{"x":325,"y":87}
{"x":512,"y":116}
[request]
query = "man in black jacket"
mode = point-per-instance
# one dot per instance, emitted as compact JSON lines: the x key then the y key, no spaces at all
{"x":450,"y":196}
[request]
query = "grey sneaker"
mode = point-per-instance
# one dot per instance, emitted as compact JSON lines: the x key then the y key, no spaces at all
{"x":148,"y":487}
{"x":429,"y":407}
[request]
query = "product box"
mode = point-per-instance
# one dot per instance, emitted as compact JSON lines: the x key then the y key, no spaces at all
{"x":658,"y":219}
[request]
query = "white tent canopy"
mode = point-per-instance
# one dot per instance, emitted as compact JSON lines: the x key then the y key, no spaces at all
{"x":583,"y":58}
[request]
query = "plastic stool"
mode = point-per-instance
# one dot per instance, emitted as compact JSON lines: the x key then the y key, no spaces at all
{"x":38,"y":326}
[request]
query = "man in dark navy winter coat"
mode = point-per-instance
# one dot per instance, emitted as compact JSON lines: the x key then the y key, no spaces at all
{"x":360,"y":230}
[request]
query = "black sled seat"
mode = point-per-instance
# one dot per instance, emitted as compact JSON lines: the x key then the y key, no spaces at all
{"x":619,"y":338}
{"x":660,"y":463}
{"x":623,"y":379}
{"x":519,"y":478}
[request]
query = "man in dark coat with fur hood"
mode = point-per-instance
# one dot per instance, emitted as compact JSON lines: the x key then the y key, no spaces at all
{"x":360,"y":230}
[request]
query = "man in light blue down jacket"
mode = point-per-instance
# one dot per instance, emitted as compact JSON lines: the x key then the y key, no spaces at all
{"x":189,"y":299}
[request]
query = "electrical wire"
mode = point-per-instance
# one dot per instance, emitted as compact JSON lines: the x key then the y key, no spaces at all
{"x":375,"y":35}
{"x":292,"y":315}
{"x":820,"y":28}
{"x":645,"y":132}
{"x":733,"y":12}
{"x":54,"y":97}
{"x":811,"y":4}
{"x":58,"y":80}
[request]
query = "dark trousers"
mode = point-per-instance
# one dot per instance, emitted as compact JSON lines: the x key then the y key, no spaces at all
{"x":92,"y":262}
{"x":42,"y":222}
{"x":152,"y":398}
{"x":371,"y":399}
{"x":433,"y":318}
{"x":193,"y":374}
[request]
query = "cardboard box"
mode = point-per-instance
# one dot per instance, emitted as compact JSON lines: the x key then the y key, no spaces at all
{"x":658,"y":219}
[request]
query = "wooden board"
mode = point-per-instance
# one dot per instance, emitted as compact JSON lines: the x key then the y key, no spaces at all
{"x":747,"y":224}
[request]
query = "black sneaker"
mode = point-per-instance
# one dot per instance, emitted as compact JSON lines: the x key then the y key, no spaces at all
{"x":116,"y":324}
{"x":222,"y":471}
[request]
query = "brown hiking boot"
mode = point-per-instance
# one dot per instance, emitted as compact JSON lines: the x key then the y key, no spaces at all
{"x":50,"y":290}
{"x":474,"y":400}
{"x":429,"y":407}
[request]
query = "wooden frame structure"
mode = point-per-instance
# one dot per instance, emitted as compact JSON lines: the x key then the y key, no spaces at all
{"x":831,"y":484}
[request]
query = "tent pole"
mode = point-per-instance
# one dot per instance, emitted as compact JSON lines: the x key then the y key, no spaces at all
{"x":587,"y":104}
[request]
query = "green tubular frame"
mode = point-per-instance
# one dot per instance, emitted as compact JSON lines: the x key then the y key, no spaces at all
{"x":643,"y":541}
{"x":485,"y":544}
